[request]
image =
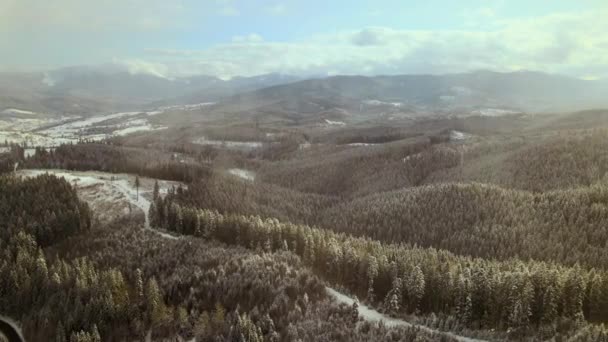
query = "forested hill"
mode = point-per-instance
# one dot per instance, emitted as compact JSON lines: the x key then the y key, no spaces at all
{"x":45,"y":207}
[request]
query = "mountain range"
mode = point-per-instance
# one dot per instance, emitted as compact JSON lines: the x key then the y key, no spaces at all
{"x":89,"y":90}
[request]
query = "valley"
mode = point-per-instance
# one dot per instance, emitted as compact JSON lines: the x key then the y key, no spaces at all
{"x":270,"y":216}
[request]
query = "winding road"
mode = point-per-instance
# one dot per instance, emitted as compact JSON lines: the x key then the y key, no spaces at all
{"x":126,"y":187}
{"x":372,"y":315}
{"x":10,"y":330}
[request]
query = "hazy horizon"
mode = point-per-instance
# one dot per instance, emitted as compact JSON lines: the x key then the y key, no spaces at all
{"x":227,"y":38}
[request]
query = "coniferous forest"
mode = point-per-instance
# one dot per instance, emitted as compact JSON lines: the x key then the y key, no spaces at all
{"x":303,"y":171}
{"x":448,"y":246}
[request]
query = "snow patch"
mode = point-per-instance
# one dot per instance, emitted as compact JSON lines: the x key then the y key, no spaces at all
{"x":335,"y":123}
{"x":360,"y":144}
{"x":242,"y":173}
{"x":188,"y":107}
{"x":494,"y":112}
{"x":457,"y":135}
{"x":17,"y":111}
{"x":382,"y":103}
{"x":238,"y":145}
{"x":305,"y":146}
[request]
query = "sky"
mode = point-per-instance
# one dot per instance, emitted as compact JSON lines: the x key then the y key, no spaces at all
{"x":226,"y":38}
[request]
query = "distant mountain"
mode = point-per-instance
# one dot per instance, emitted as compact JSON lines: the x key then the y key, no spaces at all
{"x":480,"y":92}
{"x":86,"y":90}
{"x":212,"y":89}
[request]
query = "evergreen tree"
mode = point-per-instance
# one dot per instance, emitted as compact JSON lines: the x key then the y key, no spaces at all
{"x":156,"y":191}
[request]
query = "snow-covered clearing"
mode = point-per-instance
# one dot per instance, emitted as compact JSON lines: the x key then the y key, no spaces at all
{"x":382,"y":103}
{"x":494,"y":112}
{"x":242,"y":173}
{"x":374,"y":316}
{"x":111,"y":195}
{"x":361,"y":144}
{"x":17,"y":111}
{"x":334,"y":123}
{"x":194,"y":106}
{"x":47,"y":131}
{"x":457,"y":135}
{"x":238,"y":145}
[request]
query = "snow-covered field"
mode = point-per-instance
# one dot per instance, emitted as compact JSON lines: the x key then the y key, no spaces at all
{"x":494,"y":112}
{"x":46,"y":131}
{"x":335,"y":123}
{"x":185,"y":107}
{"x":361,"y":144}
{"x":242,"y":173}
{"x":457,"y":135}
{"x":237,"y":145}
{"x":17,"y":111}
{"x":382,"y":103}
{"x":110,"y":195}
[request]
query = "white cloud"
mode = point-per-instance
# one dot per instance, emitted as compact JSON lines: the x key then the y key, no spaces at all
{"x":277,"y":9}
{"x":229,"y":11}
{"x":136,"y":66}
{"x":250,"y":38}
{"x":568,"y":43}
{"x":227,"y":8}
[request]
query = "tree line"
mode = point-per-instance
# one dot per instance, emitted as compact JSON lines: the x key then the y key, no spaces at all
{"x":524,"y":297}
{"x":116,"y":159}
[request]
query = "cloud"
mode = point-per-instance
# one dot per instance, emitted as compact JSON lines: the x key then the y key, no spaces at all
{"x":277,"y":9}
{"x":227,"y":8}
{"x":570,"y":43}
{"x":229,"y":11}
{"x":369,"y":36}
{"x":250,"y":38}
{"x":136,"y":66}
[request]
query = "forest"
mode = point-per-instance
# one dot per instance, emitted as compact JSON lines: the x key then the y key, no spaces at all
{"x":496,"y":237}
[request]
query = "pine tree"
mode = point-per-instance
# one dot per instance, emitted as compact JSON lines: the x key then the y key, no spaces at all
{"x":355,"y":310}
{"x":218,"y":316}
{"x":60,"y":335}
{"x":95,"y":337}
{"x":392,"y":302}
{"x":139,"y":286}
{"x":156,"y":191}
{"x":372,"y":273}
{"x":137,"y":186}
{"x":202,"y":325}
{"x":154,"y":303}
{"x":414,"y":287}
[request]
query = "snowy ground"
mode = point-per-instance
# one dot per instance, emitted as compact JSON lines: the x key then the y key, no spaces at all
{"x":493,"y":112}
{"x":457,"y":135}
{"x":36,"y":129}
{"x":185,"y":107}
{"x":242,"y":173}
{"x":334,"y":123}
{"x":381,"y":103}
{"x":361,"y":144}
{"x":374,"y":316}
{"x":111,"y":195}
{"x":237,"y":145}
